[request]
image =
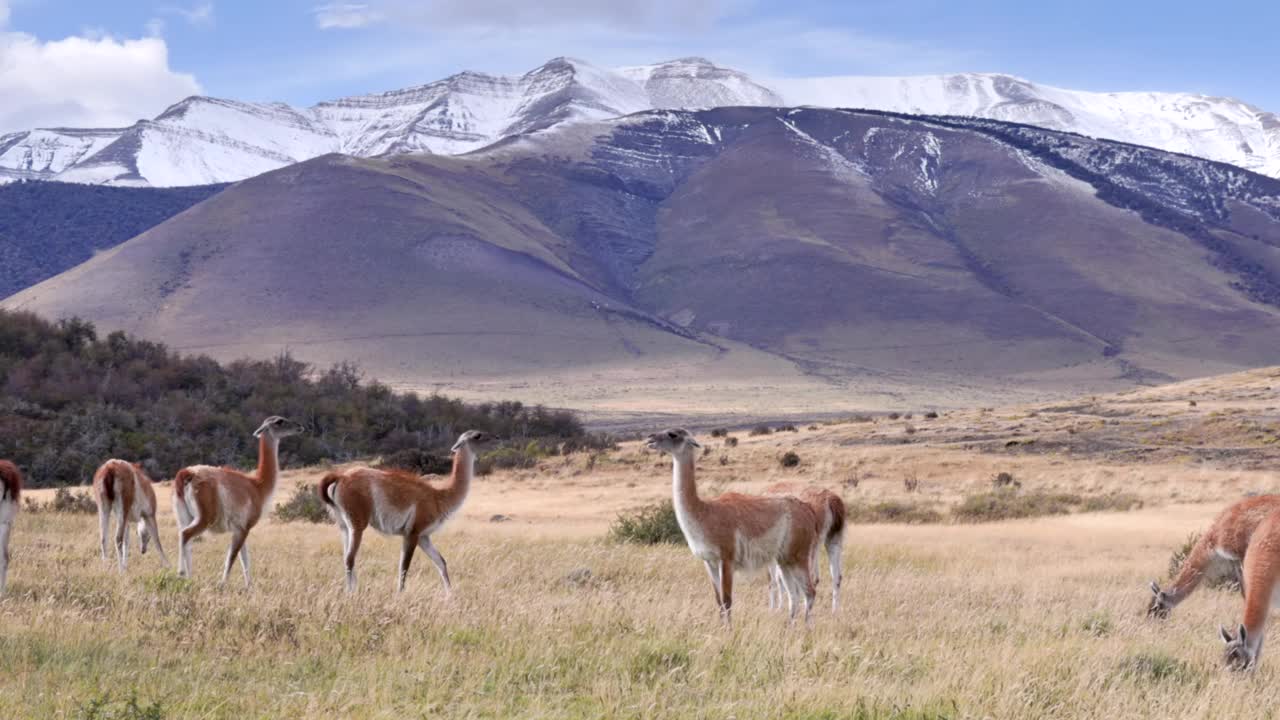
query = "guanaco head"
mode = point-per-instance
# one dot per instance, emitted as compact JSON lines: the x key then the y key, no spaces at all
{"x":1237,"y":655}
{"x":278,"y":427}
{"x":1160,"y":605}
{"x":474,"y":439}
{"x":676,"y":441}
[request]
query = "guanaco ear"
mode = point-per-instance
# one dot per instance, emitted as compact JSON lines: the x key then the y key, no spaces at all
{"x":689,"y":439}
{"x":1226,"y":636}
{"x":1155,"y":589}
{"x":458,"y":445}
{"x":1243,"y":634}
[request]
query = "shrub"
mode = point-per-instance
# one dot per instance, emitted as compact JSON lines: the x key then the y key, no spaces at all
{"x":910,"y":429}
{"x":418,"y":461}
{"x":1003,"y":480}
{"x":103,"y":708}
{"x":790,"y":459}
{"x":1121,"y":502}
{"x":892,"y":511}
{"x":931,"y":415}
{"x":1009,"y":505}
{"x":304,"y":505}
{"x":911,"y":482}
{"x":788,"y":428}
{"x":894,"y":415}
{"x":719,"y":432}
{"x":70,"y":398}
{"x":65,"y":501}
{"x":649,"y":525}
{"x":731,"y":441}
{"x":761,"y":430}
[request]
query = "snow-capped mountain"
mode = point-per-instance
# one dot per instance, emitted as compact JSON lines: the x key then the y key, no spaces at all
{"x":208,"y":140}
{"x":1216,"y":128}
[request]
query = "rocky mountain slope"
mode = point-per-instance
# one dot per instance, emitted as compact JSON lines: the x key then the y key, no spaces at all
{"x":844,"y":249}
{"x":205,"y":140}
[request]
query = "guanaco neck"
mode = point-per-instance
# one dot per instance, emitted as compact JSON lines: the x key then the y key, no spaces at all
{"x":268,"y":462}
{"x":464,"y":468}
{"x":683,"y":490}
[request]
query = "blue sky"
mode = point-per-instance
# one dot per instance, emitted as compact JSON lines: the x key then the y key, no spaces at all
{"x":91,"y":62}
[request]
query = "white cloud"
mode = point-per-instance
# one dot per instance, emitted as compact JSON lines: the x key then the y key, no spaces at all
{"x":85,"y":81}
{"x":436,"y":14}
{"x":345,"y":16}
{"x":200,"y":14}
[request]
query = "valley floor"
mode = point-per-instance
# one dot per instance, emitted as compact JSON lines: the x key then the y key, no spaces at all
{"x":1025,"y":618}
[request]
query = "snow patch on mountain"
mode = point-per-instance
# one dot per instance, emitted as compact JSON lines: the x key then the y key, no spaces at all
{"x":208,"y":140}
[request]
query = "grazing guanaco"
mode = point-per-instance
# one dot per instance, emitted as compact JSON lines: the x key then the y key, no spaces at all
{"x":10,"y":492}
{"x":1261,"y":573}
{"x":123,"y":489}
{"x":829,"y":508}
{"x":1224,"y":542}
{"x":226,"y":500}
{"x":396,"y":502}
{"x":741,"y":532}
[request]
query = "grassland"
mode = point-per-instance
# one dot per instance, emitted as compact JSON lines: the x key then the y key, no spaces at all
{"x":1028,"y":618}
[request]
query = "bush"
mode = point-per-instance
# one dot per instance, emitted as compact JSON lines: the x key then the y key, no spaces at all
{"x":69,"y":399}
{"x":790,"y":459}
{"x":760,"y":430}
{"x":894,"y":512}
{"x":719,"y":432}
{"x":1009,"y":505}
{"x":650,"y":525}
{"x":417,"y":460}
{"x":102,"y":708}
{"x":304,"y":505}
{"x":788,"y":428}
{"x":65,"y":501}
{"x":731,"y":441}
{"x":911,"y":482}
{"x":931,"y":415}
{"x":1003,"y":480}
{"x":1118,"y":502}
{"x":510,"y":458}
{"x":894,"y":415}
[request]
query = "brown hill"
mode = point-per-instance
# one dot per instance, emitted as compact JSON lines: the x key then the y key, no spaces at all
{"x":738,"y":260}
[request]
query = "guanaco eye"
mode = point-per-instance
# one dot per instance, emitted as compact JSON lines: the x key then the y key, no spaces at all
{"x":671,"y":435}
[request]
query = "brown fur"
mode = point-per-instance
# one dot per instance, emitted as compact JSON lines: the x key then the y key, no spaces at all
{"x":227,"y":500}
{"x":10,"y":481}
{"x":736,"y":531}
{"x":1261,"y":572}
{"x":124,"y":486}
{"x":396,"y":502}
{"x":829,"y":510}
{"x":1231,"y":533}
{"x":10,"y":492}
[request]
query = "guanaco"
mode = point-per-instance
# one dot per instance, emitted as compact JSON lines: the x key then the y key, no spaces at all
{"x":1261,"y":573}
{"x":124,"y":490}
{"x":1224,"y":542}
{"x":401,"y":503}
{"x":226,"y":500}
{"x":10,"y":493}
{"x":830,"y":510}
{"x":740,"y":532}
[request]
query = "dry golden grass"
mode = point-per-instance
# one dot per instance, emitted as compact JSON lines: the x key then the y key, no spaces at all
{"x":1035,"y":618}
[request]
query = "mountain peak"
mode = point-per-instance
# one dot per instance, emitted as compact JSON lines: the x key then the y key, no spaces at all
{"x":201,"y":139}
